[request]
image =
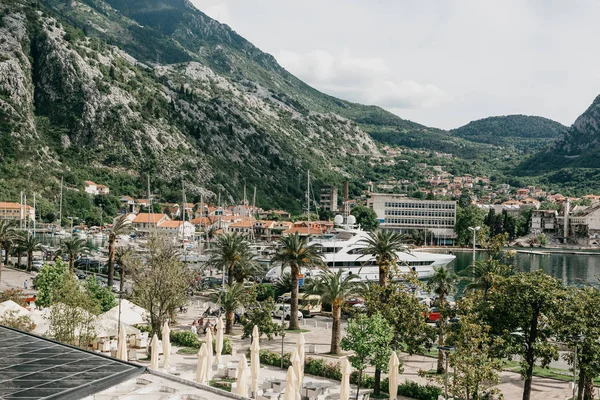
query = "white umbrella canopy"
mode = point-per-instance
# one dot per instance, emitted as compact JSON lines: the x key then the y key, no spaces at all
{"x":209,"y":352}
{"x":155,"y":351}
{"x":166,"y":344}
{"x":301,"y":354}
{"x":346,"y":370}
{"x":255,"y":359}
{"x":394,"y":377}
{"x":242,"y":377}
{"x":290,"y":385}
{"x":10,"y":305}
{"x":295,"y":360}
{"x":122,"y":346}
{"x":219,"y":341}
{"x":202,"y":369}
{"x":41,"y":320}
{"x":107,"y":326}
{"x":131,"y":313}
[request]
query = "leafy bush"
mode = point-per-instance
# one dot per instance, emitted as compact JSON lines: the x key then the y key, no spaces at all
{"x":185,"y":339}
{"x":189,"y":339}
{"x":265,"y":291}
{"x":259,"y":314}
{"x":419,"y":392}
{"x":320,"y":367}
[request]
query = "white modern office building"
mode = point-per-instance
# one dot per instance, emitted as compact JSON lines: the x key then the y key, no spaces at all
{"x":405,"y":215}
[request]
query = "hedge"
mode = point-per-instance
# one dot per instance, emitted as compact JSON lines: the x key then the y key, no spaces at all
{"x":189,"y":339}
{"x":320,"y":367}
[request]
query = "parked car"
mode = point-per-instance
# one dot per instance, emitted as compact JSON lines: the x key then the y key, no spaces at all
{"x":433,"y":315}
{"x":210,"y":282}
{"x":286,"y":310}
{"x":37,"y":265}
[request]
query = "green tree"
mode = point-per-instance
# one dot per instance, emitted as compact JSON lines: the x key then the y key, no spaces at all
{"x":369,"y":338}
{"x":74,"y":247}
{"x":120,"y":226}
{"x":542,"y":239}
{"x":29,"y":244}
{"x":402,"y":310}
{"x":476,"y":371}
{"x":521,"y":310}
{"x":73,"y":314}
{"x":7,"y":236}
{"x":230,"y":299}
{"x":365,"y":217}
{"x":258,"y":313}
{"x":296,"y":254}
{"x":128,"y":261}
{"x":582,"y":332}
{"x":104,"y":295}
{"x":13,"y":319}
{"x":48,"y":281}
{"x":334,"y":289}
{"x":383,"y":245}
{"x":443,"y":283}
{"x":484,"y":275}
{"x":466,"y":217}
{"x":160,"y":287}
{"x":230,"y":251}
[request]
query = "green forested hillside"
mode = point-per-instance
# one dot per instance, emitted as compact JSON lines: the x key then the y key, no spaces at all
{"x":523,"y":132}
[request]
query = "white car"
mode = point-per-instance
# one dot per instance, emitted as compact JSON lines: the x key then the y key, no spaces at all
{"x":286,"y":310}
{"x":37,"y":265}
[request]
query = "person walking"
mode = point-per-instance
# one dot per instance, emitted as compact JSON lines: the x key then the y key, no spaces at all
{"x":194,"y":328}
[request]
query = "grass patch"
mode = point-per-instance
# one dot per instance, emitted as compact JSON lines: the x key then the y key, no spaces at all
{"x":187,"y":350}
{"x":223,"y":384}
{"x":297,"y":330}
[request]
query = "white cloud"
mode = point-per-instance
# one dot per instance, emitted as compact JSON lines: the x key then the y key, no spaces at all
{"x":360,"y":79}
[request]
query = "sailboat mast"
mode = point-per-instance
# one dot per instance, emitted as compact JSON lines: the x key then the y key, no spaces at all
{"x":308,"y":200}
{"x":149,"y":204}
{"x":34,"y":211}
{"x":60,"y":204}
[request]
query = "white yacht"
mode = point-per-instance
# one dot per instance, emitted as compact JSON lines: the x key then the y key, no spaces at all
{"x":343,"y":250}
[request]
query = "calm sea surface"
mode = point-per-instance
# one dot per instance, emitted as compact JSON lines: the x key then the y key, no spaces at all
{"x":571,"y":269}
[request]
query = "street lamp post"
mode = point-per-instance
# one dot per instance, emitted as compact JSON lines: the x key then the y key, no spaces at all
{"x":474,"y":230}
{"x":282,"y":332}
{"x":120,"y":293}
{"x":576,"y":339}
{"x":446,"y":351}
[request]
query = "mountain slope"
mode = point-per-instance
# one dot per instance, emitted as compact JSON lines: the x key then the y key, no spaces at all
{"x":73,"y":105}
{"x":572,"y":161}
{"x":526,"y":133}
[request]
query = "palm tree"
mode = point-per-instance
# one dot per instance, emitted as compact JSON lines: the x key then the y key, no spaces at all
{"x":444,"y":284}
{"x":73,"y":247}
{"x":384,"y":245}
{"x":335,"y":290}
{"x":121,"y":225}
{"x":125,"y":257}
{"x":484,"y":274}
{"x":7,"y":236}
{"x":28,"y":244}
{"x":295,"y":254}
{"x":230,"y":250}
{"x":246,"y":268}
{"x":230,"y":299}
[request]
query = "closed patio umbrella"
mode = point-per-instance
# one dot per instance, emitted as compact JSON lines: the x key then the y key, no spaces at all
{"x":393,"y":365}
{"x":346,"y":369}
{"x":155,"y":351}
{"x":242,"y":377}
{"x":295,"y":360}
{"x":301,"y":354}
{"x":122,"y":346}
{"x":255,"y":359}
{"x":166,"y":344}
{"x":209,"y":352}
{"x":291,"y":393}
{"x":202,"y":368}
{"x":219,"y":341}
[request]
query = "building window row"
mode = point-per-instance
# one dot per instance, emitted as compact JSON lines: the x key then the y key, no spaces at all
{"x":421,"y":222}
{"x":431,"y":206}
{"x":416,"y":213}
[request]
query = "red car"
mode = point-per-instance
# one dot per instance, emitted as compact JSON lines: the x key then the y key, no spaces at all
{"x":433,"y":315}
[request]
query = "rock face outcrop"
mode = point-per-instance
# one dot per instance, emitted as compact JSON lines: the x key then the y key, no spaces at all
{"x":74,"y":103}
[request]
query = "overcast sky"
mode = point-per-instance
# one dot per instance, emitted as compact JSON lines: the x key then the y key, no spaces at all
{"x":440,"y":63}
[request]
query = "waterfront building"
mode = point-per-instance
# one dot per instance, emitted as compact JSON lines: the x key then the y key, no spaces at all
{"x":405,"y":215}
{"x":15,"y":211}
{"x":328,"y":200}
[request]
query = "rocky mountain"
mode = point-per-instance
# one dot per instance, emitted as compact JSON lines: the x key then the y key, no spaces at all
{"x":88,"y":93}
{"x":524,"y":132}
{"x":573,"y":159}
